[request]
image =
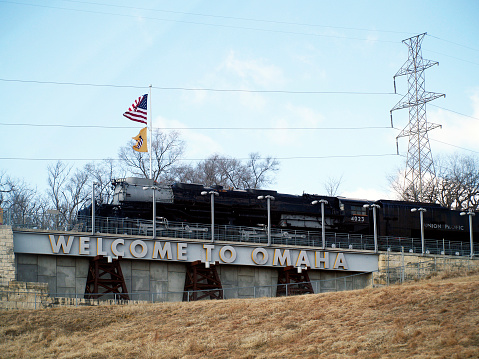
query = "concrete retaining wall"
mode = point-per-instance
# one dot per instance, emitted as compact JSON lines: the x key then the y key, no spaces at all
{"x":164,"y":281}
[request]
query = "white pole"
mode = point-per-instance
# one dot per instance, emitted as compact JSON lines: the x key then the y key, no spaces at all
{"x":422,"y":229}
{"x":268,"y":203}
{"x":93,"y":208}
{"x":470,"y":213}
{"x":323,"y":225}
{"x":154,"y":211}
{"x":470,"y":232}
{"x":212,"y":216}
{"x":150,"y":122}
{"x":375,"y":230}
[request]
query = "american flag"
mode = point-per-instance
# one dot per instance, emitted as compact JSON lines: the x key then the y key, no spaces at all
{"x":137,"y":112}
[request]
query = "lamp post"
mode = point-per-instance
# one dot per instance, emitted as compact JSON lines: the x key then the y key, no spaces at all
{"x":93,"y":203}
{"x":154,"y":188}
{"x":212,"y":197}
{"x":268,"y":199}
{"x":471,"y":214}
{"x":323,"y":228}
{"x":374,"y":206}
{"x":421,"y":216}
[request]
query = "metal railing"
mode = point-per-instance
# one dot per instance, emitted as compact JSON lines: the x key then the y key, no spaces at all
{"x":184,"y":230}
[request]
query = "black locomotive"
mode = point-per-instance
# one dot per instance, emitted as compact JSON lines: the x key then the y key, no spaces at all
{"x":181,"y":202}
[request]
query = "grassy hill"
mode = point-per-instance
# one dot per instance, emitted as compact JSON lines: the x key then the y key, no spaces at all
{"x":437,"y":318}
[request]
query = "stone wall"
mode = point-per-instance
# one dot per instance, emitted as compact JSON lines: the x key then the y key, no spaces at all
{"x":21,"y":295}
{"x":397,"y":267}
{"x":7,"y":256}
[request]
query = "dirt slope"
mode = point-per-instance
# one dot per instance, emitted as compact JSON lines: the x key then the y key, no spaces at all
{"x":433,"y":319}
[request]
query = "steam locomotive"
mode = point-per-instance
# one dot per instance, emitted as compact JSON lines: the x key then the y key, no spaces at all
{"x":184,"y":202}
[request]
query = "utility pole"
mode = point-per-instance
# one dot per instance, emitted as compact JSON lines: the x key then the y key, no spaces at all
{"x":420,"y":174}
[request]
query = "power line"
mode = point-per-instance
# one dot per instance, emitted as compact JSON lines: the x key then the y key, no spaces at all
{"x":178,"y":88}
{"x":234,"y":17}
{"x":201,"y":128}
{"x":457,"y":113}
{"x":452,"y":42}
{"x":462,"y":148}
{"x":453,"y":57}
{"x":198,"y":23}
{"x":200,"y":159}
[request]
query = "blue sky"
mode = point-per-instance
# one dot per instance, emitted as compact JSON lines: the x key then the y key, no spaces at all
{"x":345,"y":52}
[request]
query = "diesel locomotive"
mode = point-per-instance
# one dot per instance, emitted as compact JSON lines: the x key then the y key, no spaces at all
{"x":186,"y":202}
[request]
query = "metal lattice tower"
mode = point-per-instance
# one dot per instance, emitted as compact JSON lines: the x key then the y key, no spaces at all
{"x":420,"y":174}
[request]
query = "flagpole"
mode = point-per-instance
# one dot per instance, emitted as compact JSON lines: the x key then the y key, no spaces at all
{"x":150,"y":142}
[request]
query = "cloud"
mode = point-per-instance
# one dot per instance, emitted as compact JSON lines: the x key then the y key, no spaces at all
{"x":293,"y":117}
{"x":457,"y":131}
{"x":243,"y":74}
{"x":254,"y":71}
{"x":198,"y":146}
{"x":370,"y":194}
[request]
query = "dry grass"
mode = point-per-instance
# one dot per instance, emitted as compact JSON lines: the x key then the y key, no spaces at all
{"x":437,"y":318}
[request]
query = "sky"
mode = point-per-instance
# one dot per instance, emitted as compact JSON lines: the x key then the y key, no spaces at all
{"x":309,"y":83}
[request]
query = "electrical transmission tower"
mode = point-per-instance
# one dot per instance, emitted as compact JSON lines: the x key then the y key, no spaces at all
{"x":420,"y":174}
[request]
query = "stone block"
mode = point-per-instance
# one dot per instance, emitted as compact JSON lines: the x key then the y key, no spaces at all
{"x":67,"y":292}
{"x":176,"y":267}
{"x":158,"y":271}
{"x":27,"y":272}
{"x":245,"y":281}
{"x":246,"y":292}
{"x":229,"y":276}
{"x":27,"y":258}
{"x":80,"y":285}
{"x":51,"y":281}
{"x":66,"y":261}
{"x":125,"y":265}
{"x":158,"y":288}
{"x":128,"y":285}
{"x":246,"y":271}
{"x":265,"y":276}
{"x":47,"y":265}
{"x":66,"y":277}
{"x":81,"y":267}
{"x":140,"y":265}
{"x":176,"y":281}
{"x":230,"y":292}
{"x":140,"y":280}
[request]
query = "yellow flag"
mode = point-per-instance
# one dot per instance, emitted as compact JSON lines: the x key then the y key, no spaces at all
{"x":141,"y":141}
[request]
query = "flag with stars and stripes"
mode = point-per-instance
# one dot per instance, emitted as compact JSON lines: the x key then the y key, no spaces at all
{"x":138,"y":111}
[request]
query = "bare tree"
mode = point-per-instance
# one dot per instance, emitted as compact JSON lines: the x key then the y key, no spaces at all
{"x":21,"y":201}
{"x":167,"y":149}
{"x":102,"y":174}
{"x":67,"y":192}
{"x":230,"y":172}
{"x":456,"y":185}
{"x":331,"y":185}
{"x":260,"y":171}
{"x":5,"y":186}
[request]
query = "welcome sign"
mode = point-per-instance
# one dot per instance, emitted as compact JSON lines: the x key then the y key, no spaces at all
{"x":190,"y":251}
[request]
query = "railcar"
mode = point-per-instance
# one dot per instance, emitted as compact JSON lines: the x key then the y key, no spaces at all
{"x":182,"y":202}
